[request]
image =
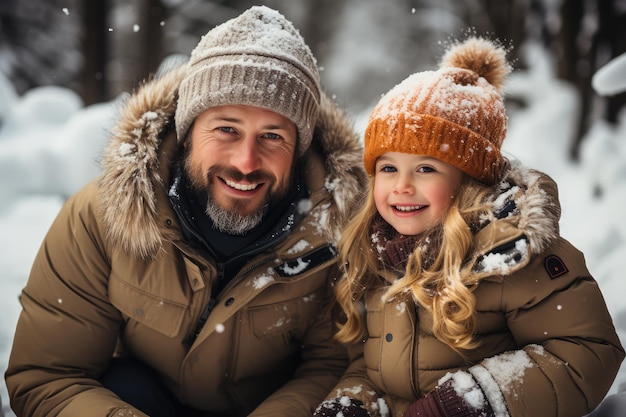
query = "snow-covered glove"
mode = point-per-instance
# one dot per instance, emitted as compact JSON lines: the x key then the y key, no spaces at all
{"x":342,"y":407}
{"x":458,"y":395}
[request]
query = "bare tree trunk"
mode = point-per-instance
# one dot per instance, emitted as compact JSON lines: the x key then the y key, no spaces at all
{"x":95,"y":48}
{"x":612,"y":43}
{"x":508,"y":22}
{"x":575,"y":63}
{"x":136,"y":44}
{"x":585,"y":51}
{"x":39,"y":43}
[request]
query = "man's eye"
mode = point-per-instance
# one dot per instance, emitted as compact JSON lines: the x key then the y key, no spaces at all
{"x":226,"y":129}
{"x":271,"y":135}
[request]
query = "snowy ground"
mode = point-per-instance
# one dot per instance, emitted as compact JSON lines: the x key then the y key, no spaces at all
{"x":49,"y":146}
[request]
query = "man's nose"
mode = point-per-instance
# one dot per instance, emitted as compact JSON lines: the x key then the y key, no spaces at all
{"x":246,"y":156}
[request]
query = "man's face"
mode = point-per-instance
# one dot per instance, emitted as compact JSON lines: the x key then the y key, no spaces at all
{"x":240,"y":158}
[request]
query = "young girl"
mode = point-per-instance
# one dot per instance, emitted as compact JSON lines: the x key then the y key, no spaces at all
{"x":459,"y":296}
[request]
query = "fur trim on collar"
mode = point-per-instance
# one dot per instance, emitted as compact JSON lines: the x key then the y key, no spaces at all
{"x":527,"y":210}
{"x":537,"y":203}
{"x":131,"y":175}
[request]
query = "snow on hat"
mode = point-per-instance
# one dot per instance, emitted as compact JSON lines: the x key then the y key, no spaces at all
{"x":257,"y":59}
{"x":455,"y":114}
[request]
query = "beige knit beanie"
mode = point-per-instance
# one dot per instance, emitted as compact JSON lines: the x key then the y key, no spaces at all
{"x":257,"y":59}
{"x":455,"y":114}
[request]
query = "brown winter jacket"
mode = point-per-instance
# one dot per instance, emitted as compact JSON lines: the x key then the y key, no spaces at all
{"x":548,"y":347}
{"x":115,"y":263}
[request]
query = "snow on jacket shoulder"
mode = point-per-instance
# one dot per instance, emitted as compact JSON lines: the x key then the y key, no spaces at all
{"x":115,"y":263}
{"x":548,"y":346}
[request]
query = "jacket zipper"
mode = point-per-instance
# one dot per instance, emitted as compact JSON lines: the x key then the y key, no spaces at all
{"x":315,"y":256}
{"x":208,"y":308}
{"x":243,"y":271}
{"x":221,"y":267}
{"x":203,"y":319}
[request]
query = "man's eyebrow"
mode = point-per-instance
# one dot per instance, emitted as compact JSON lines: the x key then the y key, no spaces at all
{"x":226,"y":119}
{"x":276,"y":127}
{"x":272,"y":126}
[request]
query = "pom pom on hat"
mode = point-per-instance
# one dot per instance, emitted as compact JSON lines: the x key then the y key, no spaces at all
{"x":257,"y":59}
{"x":481,"y":56}
{"x":455,"y":114}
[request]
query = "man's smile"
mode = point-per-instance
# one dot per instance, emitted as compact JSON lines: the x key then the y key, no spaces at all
{"x":240,"y":186}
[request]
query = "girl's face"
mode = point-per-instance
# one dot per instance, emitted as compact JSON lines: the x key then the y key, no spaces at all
{"x":414,"y":192}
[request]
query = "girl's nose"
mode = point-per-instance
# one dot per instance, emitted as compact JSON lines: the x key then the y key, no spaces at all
{"x":404,"y":185}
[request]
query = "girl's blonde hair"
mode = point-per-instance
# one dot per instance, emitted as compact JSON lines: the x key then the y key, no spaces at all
{"x":444,"y":286}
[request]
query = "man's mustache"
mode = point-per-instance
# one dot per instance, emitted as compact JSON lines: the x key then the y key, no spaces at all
{"x":234,"y":174}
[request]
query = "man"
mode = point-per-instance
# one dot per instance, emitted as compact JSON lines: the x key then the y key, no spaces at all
{"x":193,"y":277}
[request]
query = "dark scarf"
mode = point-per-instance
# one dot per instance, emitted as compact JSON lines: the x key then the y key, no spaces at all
{"x":394,"y":249}
{"x":280,"y":219}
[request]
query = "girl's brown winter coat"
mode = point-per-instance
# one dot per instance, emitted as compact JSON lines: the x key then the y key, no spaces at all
{"x":115,"y":263}
{"x":543,"y":325}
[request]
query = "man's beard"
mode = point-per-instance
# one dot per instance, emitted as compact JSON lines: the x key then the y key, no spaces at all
{"x":235,"y":220}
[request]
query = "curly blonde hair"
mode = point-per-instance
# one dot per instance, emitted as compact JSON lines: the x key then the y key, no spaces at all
{"x":444,"y":285}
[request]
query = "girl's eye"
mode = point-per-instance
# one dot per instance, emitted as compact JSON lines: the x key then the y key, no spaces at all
{"x":426,"y":169}
{"x":387,"y":168}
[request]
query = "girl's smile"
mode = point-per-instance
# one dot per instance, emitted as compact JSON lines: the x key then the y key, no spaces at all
{"x":413,"y":192}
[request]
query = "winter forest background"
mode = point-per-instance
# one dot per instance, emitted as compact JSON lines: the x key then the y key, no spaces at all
{"x":66,"y":64}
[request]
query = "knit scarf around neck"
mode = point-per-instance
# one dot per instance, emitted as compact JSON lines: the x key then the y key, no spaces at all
{"x":394,"y":249}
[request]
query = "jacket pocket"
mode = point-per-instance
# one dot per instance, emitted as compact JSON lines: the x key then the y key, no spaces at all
{"x":157,"y":313}
{"x":285,"y":316}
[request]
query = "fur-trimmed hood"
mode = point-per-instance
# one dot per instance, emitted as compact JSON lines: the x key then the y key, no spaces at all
{"x":527,"y":212}
{"x":132,"y":177}
{"x":537,"y":309}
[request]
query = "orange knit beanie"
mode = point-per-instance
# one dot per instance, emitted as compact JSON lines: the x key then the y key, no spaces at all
{"x":455,"y":114}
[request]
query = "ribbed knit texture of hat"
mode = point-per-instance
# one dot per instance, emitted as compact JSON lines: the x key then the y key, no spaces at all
{"x":455,"y":114}
{"x":257,"y":59}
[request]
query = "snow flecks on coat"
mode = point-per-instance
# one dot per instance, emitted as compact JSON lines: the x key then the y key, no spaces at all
{"x":502,"y":262}
{"x":290,"y":223}
{"x":126,"y":412}
{"x":304,"y":206}
{"x":526,"y":200}
{"x":508,"y":367}
{"x":401,"y":307}
{"x":331,"y":184}
{"x":263,"y":280}
{"x":347,"y":164}
{"x":130,"y":166}
{"x":309,"y":298}
{"x":321,"y":219}
{"x":280,"y":322}
{"x":298,"y":247}
{"x":491,"y":390}
{"x":296,"y":269}
{"x":356,"y":390}
{"x":381,"y":406}
{"x":127,"y":151}
{"x":499,"y":374}
{"x":508,"y":194}
{"x":539,"y":209}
